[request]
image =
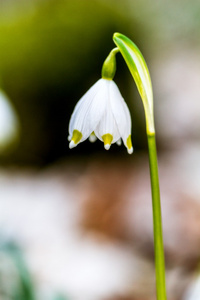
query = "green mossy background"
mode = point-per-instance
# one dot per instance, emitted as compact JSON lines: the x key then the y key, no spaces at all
{"x":50,"y":56}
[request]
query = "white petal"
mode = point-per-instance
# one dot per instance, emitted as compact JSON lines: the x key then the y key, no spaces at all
{"x":121,"y":113}
{"x":107,"y":124}
{"x":89,"y":110}
{"x":107,"y":146}
{"x":72,"y":145}
{"x":92,"y":138}
{"x":83,"y":102}
{"x":119,"y":142}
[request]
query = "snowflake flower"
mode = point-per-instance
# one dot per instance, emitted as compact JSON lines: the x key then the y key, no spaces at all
{"x":102,"y":113}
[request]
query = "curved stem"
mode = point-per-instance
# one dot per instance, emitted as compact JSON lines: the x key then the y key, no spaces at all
{"x":157,"y":220}
{"x":139,"y":70}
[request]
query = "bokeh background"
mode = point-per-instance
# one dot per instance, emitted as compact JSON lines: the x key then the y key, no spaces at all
{"x":76,"y":224}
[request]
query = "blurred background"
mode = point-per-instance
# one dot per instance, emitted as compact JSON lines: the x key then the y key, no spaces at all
{"x":77,"y":224}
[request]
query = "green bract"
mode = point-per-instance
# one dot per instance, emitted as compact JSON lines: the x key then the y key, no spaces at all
{"x":139,"y":70}
{"x":109,"y":66}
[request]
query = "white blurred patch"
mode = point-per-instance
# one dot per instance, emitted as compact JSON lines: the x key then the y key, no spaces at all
{"x":176,"y":78}
{"x":193,"y":292}
{"x":42,"y":212}
{"x":9,"y":125}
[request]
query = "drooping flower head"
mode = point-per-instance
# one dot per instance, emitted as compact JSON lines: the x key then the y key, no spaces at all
{"x":102,"y":112}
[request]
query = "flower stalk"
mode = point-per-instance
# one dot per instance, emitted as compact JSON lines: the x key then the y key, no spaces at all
{"x":157,"y":220}
{"x":141,"y":76}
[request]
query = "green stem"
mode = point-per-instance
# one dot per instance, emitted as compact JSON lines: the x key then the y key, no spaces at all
{"x":139,"y":70}
{"x":157,"y":220}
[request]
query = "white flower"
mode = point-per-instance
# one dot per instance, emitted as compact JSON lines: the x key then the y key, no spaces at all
{"x":101,"y":112}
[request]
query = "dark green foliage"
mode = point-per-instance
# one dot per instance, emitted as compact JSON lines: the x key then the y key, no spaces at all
{"x":48,"y":58}
{"x":21,"y":285}
{"x":16,"y":282}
